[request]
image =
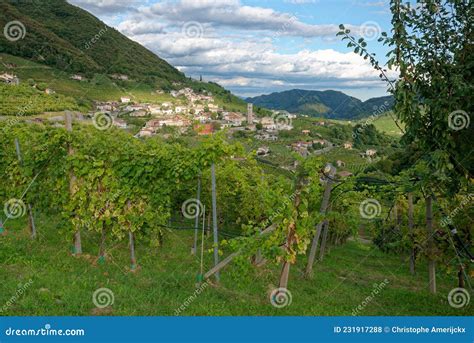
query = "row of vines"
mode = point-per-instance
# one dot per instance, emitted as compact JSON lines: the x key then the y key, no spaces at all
{"x":119,"y":187}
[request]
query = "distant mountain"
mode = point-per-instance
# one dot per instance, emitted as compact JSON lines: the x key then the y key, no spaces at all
{"x":68,"y":38}
{"x":328,"y":104}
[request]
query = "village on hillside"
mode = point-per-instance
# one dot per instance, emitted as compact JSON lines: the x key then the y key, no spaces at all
{"x":186,"y":111}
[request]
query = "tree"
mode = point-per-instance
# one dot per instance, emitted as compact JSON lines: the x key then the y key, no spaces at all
{"x":431,"y":47}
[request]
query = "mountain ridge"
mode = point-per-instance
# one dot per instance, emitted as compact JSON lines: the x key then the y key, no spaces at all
{"x":329,"y":103}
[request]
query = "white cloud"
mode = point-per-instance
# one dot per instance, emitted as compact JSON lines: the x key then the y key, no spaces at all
{"x":134,"y":27}
{"x":105,"y":7}
{"x":232,"y":14}
{"x":236,"y":45}
{"x":239,"y":60}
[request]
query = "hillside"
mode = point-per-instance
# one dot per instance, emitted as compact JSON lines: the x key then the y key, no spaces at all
{"x":329,"y":104}
{"x":167,"y":276}
{"x":61,"y":40}
{"x":68,"y":38}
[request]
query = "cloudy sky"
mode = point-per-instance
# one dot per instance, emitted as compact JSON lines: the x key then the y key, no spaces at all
{"x":255,"y":47}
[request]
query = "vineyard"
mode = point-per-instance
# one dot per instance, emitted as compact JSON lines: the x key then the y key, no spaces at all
{"x":96,"y":221}
{"x":106,"y":195}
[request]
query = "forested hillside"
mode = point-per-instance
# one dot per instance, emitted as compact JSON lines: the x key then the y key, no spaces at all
{"x":330,"y":104}
{"x":62,"y":36}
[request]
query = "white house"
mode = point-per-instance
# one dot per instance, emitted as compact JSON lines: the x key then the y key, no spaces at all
{"x":132,"y":108}
{"x":204,"y":118}
{"x":268,"y":123}
{"x":154,"y":109}
{"x":104,"y":107}
{"x":125,"y":100}
{"x":119,"y":77}
{"x":213,"y":107}
{"x":234,"y":119}
{"x":120,"y":123}
{"x":146,"y":132}
{"x":198,"y":109}
{"x":347,"y":145}
{"x":139,"y":113}
{"x":175,"y":121}
{"x":370,"y":152}
{"x":263,"y":151}
{"x":77,"y":77}
{"x":10,"y":79}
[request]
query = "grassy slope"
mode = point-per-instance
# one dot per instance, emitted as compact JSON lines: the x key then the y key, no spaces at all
{"x":63,"y":285}
{"x":386,"y":124}
{"x":24,"y":100}
{"x":100,"y":87}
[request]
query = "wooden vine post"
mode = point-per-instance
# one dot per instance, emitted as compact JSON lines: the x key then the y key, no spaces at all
{"x":410,"y":232}
{"x":430,"y":232}
{"x":131,"y":239}
{"x":102,"y":244}
{"x":133,"y":259}
{"x":31,"y":218}
{"x":196,"y":224}
{"x":229,"y":258}
{"x":258,"y":259}
{"x":200,"y":276}
{"x":72,"y":183}
{"x":103,"y":233}
{"x":319,"y":227}
{"x":214,"y":219}
{"x":325,"y":230}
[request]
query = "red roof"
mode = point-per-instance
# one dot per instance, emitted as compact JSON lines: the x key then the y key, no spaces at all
{"x":204,"y":129}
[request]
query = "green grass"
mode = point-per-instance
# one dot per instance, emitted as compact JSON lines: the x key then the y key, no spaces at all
{"x":99,"y":87}
{"x":387,"y":125}
{"x":63,"y":284}
{"x":23,"y":100}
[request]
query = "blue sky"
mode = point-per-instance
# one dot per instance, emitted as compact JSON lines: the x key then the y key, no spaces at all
{"x":255,"y":47}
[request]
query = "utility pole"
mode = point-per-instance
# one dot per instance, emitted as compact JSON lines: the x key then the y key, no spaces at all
{"x":214,"y":218}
